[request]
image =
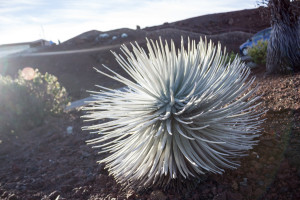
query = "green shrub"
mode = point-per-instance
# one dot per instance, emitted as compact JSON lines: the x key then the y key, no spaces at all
{"x":24,"y":104}
{"x":258,"y":53}
{"x":231,"y":56}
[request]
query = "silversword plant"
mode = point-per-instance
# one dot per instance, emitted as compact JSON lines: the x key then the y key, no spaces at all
{"x":184,"y":113}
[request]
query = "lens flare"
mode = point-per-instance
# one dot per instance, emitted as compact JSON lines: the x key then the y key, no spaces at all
{"x":28,"y":73}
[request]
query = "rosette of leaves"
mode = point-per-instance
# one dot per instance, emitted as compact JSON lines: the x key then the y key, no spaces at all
{"x":183,"y":114}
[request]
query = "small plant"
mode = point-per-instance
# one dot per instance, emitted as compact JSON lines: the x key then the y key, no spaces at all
{"x":231,"y":57}
{"x":25,"y":103}
{"x":259,"y":52}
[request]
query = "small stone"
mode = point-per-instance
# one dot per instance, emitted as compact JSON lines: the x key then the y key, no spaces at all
{"x":246,"y":59}
{"x":271,"y":159}
{"x":66,"y":188}
{"x":261,"y":183}
{"x":23,"y":187}
{"x":235,"y":185}
{"x":37,"y":184}
{"x":258,"y":192}
{"x":258,"y":166}
{"x":187,"y":195}
{"x":244,"y":182}
{"x":205,"y":191}
{"x":195,"y":196}
{"x":214,"y":190}
{"x":220,"y":188}
{"x":103,"y":190}
{"x":108,"y":185}
{"x":283,"y":189}
{"x":130,"y":194}
{"x":69,"y":129}
{"x":37,"y":196}
{"x":283,"y":176}
{"x":220,"y":196}
{"x":246,"y":190}
{"x":157,"y":195}
{"x":235,"y":196}
{"x":252,"y":65}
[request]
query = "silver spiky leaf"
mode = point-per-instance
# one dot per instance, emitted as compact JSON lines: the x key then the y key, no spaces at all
{"x":183,"y":115}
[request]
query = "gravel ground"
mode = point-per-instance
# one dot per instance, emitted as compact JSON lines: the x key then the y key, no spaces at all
{"x":48,"y":163}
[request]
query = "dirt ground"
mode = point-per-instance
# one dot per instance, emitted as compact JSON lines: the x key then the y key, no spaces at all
{"x":50,"y":163}
{"x":47,"y":162}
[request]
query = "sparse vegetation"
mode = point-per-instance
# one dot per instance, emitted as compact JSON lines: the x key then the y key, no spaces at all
{"x":25,"y":103}
{"x":231,"y":56}
{"x":259,"y":52}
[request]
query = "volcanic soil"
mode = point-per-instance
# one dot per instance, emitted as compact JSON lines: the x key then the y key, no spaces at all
{"x":47,"y":162}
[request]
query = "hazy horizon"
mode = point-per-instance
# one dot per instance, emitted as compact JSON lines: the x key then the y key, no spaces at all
{"x":29,"y":20}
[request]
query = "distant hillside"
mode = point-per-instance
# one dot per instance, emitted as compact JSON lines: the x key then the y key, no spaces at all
{"x":249,"y":20}
{"x":92,"y":49}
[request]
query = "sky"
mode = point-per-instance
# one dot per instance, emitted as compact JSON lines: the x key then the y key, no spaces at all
{"x":30,"y":20}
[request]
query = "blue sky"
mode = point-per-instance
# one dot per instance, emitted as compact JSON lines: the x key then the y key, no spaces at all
{"x":29,"y":20}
